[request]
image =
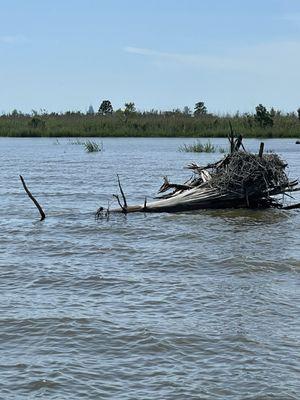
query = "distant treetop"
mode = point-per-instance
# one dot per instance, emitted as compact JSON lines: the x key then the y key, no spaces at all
{"x":200,"y":109}
{"x":129,"y":108}
{"x":263,"y":116}
{"x":105,"y":108}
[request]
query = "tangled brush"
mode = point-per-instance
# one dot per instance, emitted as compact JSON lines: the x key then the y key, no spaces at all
{"x":239,"y":180}
{"x":247,"y":174}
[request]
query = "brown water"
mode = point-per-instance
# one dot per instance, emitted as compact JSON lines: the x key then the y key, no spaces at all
{"x":186,"y":306}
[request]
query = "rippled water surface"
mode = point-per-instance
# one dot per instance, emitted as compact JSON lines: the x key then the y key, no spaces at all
{"x":186,"y":306}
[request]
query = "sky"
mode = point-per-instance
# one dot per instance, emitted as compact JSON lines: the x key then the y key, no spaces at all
{"x":63,"y":55}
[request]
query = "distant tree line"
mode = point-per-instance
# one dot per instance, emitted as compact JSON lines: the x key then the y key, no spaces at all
{"x":129,"y":121}
{"x":263,"y":116}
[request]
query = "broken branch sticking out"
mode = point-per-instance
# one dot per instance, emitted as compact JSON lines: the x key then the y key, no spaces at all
{"x":124,"y":209}
{"x":43,"y":216}
{"x":122,"y":193}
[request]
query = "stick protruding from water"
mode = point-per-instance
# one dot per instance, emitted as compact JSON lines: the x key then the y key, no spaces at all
{"x":41,"y":211}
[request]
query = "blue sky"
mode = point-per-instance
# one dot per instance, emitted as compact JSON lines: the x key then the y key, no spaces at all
{"x":67,"y":54}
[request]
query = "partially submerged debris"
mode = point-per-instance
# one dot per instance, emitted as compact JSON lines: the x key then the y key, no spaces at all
{"x":36,"y":203}
{"x":239,"y":180}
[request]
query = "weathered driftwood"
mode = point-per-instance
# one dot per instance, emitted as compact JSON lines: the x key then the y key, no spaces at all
{"x":240,"y":179}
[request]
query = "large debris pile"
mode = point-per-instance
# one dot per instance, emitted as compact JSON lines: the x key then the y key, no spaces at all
{"x":249,"y":179}
{"x":248,"y":174}
{"x":240,"y":179}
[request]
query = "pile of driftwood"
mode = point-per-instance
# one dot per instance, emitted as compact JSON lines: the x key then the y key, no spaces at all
{"x":239,"y":180}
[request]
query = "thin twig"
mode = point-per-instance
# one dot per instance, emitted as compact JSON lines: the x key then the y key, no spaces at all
{"x":122,"y":193}
{"x":124,"y":209}
{"x":231,"y":138}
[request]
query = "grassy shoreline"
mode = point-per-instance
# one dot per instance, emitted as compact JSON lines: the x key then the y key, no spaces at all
{"x":145,"y":125}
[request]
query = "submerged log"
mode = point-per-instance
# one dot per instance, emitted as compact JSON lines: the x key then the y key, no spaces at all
{"x":191,"y":199}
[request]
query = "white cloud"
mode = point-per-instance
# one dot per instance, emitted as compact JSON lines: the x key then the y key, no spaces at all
{"x":265,"y":73}
{"x":194,"y":60}
{"x":270,"y":59}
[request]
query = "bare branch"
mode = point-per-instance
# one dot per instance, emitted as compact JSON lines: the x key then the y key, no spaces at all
{"x":122,"y":193}
{"x":124,"y":209}
{"x":261,"y":150}
{"x":43,"y":216}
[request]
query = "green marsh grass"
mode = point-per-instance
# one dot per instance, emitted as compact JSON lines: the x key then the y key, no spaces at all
{"x":148,"y":124}
{"x":92,"y":146}
{"x":198,"y":147}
